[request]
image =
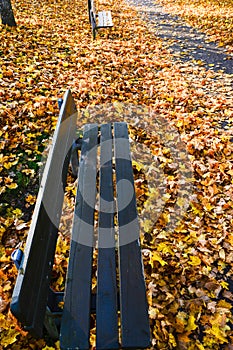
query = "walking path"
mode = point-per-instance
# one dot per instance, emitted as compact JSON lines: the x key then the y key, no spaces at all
{"x":185,"y":42}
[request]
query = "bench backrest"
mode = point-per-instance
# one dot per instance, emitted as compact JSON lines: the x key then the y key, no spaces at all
{"x":30,"y":294}
{"x":92,"y":13}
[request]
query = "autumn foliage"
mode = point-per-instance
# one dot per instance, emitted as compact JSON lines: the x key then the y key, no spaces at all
{"x":188,"y":269}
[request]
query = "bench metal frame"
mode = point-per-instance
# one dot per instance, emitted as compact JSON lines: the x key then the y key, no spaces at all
{"x":33,"y":302}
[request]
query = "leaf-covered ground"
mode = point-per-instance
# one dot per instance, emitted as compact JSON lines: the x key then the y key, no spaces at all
{"x":188,"y":269}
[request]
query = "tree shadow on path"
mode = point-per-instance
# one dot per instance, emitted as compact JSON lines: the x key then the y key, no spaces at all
{"x":185,"y":42}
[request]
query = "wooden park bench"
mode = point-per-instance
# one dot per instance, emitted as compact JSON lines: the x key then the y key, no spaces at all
{"x":104,"y":18}
{"x":119,"y":303}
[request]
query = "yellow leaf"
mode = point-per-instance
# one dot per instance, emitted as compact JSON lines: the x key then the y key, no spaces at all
{"x":207,"y":204}
{"x":7,"y":287}
{"x":12,"y":186}
{"x":224,"y":284}
{"x":218,"y":333}
{"x":17,"y":212}
{"x":196,"y":211}
{"x":10,"y":337}
{"x":165,"y":218}
{"x":7,"y":165}
{"x":2,"y":188}
{"x":28,"y":171}
{"x":30,"y":68}
{"x":181,"y":201}
{"x":166,"y":196}
{"x":2,"y":230}
{"x":31,"y":199}
{"x":138,"y":166}
{"x":3,"y":321}
{"x":155,"y":256}
{"x":164,"y":248}
{"x":191,"y":323}
{"x":224,"y":304}
{"x":60,"y":280}
{"x":194,"y":260}
{"x":147,"y":225}
{"x":179,"y":123}
{"x":200,"y":346}
{"x":74,"y":191}
{"x":172,"y":340}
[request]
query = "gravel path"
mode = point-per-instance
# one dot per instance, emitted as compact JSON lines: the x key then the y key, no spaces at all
{"x":184,"y":42}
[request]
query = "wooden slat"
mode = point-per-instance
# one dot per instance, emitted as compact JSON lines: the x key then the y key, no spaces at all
{"x":75,"y":326}
{"x":134,"y":316}
{"x":106,"y":307}
{"x":104,"y":19}
{"x":29,"y":298}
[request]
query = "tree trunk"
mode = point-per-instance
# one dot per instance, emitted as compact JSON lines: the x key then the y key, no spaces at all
{"x":7,"y":14}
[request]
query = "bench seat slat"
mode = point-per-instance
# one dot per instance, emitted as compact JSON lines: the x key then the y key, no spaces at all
{"x":134,"y":316}
{"x":106,"y":303}
{"x":75,"y":325}
{"x":104,"y":19}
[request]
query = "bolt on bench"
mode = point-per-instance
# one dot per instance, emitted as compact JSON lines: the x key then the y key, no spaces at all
{"x":120,"y":299}
{"x":104,"y":18}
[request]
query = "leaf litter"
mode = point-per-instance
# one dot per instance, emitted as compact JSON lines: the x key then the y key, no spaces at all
{"x":188,"y":270}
